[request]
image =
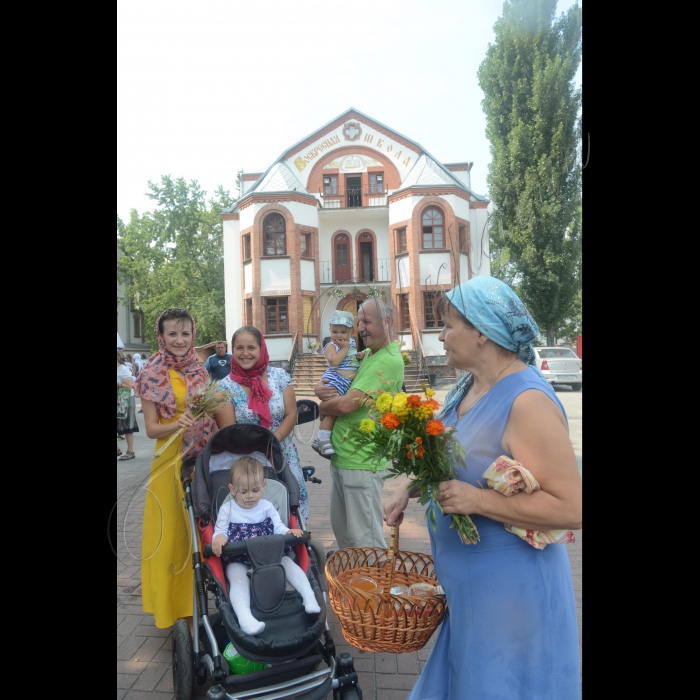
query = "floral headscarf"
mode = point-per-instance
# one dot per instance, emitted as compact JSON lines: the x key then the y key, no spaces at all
{"x":153,"y":383}
{"x":496,"y":311}
{"x":259,"y":399}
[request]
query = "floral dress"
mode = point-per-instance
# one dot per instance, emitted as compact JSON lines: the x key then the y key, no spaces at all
{"x":277,"y":381}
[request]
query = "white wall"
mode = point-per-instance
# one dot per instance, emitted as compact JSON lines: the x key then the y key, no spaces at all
{"x":232,"y":280}
{"x":278,"y":348}
{"x":304,"y":214}
{"x":481,"y":265}
{"x":274,"y":274}
{"x":408,"y":339}
{"x":431,"y":344}
{"x":461,"y":209}
{"x":308,"y":275}
{"x":247,"y":217}
{"x":401,"y":210}
{"x":463,"y":270}
{"x":462,"y":176}
{"x":403,"y":275}
{"x":435,"y":269}
{"x":248,"y":277}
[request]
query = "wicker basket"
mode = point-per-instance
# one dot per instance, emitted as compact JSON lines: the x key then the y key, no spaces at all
{"x":382,"y":621}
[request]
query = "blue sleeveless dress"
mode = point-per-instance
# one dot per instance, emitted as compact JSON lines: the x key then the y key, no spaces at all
{"x":510,"y":632}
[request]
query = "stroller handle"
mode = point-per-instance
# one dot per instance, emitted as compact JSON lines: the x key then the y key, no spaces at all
{"x":233,"y":548}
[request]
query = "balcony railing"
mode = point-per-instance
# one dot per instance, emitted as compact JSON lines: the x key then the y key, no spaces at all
{"x":356,"y":273}
{"x":353,"y":198}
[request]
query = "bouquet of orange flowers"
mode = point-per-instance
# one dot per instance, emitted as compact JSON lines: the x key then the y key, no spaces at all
{"x":402,"y":429}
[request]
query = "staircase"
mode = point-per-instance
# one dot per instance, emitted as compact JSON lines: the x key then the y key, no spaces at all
{"x":309,"y":367}
{"x":415,"y":374}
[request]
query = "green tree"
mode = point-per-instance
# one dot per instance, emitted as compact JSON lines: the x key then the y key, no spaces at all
{"x":174,"y":256}
{"x":533,"y":109}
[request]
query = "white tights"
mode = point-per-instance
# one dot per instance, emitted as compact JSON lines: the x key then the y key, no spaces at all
{"x":240,"y":593}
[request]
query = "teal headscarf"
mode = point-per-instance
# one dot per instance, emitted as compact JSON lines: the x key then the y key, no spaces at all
{"x":496,"y":311}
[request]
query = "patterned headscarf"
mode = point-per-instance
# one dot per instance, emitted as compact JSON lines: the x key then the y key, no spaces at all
{"x":153,"y":383}
{"x":259,"y":398}
{"x":496,"y":311}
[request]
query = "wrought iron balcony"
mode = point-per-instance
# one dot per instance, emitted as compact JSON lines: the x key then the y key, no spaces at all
{"x":353,"y":198}
{"x":332,"y":273}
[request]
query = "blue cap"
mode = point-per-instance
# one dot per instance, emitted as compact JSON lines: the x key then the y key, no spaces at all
{"x":343,"y":318}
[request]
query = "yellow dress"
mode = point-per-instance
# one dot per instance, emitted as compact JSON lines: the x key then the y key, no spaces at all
{"x":166,"y":552}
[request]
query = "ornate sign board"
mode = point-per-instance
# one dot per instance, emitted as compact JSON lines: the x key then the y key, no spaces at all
{"x":353,"y":132}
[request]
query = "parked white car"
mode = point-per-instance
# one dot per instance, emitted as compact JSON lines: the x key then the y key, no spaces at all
{"x":560,"y":366}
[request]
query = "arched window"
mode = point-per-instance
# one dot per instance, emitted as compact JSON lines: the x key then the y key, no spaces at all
{"x":433,"y":229}
{"x":274,"y":230}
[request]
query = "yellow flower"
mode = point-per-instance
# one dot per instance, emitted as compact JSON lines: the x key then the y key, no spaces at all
{"x":430,"y":393}
{"x":384,"y":402}
{"x":400,"y":407}
{"x":367,"y":426}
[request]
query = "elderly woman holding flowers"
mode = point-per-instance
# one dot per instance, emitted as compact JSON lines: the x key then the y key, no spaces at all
{"x":511,"y":629}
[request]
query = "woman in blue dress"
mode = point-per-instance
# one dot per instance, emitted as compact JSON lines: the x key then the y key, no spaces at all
{"x":510,"y":632}
{"x":263,"y":395}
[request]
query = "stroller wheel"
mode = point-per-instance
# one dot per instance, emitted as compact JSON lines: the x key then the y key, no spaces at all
{"x":183,"y":661}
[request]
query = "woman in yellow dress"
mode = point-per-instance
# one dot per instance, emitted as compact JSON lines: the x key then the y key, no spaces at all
{"x":166,"y":381}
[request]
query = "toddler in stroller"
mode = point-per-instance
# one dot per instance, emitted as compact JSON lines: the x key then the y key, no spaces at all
{"x":295,"y":645}
{"x":246,"y":514}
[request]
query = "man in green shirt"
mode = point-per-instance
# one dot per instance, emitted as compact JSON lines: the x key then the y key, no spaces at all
{"x":356,"y":506}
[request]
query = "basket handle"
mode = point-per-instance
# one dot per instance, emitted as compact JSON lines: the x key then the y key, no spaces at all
{"x":388,"y":569}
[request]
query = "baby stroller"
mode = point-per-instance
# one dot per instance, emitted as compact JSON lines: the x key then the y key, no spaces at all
{"x":297,"y":648}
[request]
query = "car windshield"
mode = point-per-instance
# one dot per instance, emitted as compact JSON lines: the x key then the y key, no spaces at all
{"x":556,"y":352}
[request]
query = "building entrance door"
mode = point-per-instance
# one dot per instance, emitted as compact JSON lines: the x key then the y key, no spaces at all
{"x":353,"y":187}
{"x":341,"y":243}
{"x":366,"y":262}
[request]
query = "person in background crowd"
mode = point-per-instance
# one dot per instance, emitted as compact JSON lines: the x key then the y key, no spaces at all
{"x":126,"y":427}
{"x":219,"y":364}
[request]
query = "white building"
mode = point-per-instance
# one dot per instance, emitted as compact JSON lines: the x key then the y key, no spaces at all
{"x":353,"y":210}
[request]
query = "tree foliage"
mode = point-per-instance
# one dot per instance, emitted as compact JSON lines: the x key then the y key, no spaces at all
{"x":533,"y":113}
{"x":174,"y":256}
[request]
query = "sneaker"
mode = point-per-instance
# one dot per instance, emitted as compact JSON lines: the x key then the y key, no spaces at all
{"x":323,"y":447}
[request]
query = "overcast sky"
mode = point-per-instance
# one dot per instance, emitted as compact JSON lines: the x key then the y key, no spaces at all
{"x":207,"y":88}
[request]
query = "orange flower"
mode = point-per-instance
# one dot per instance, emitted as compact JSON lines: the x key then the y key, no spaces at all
{"x":432,"y":403}
{"x":390,"y":421}
{"x":413,"y":401}
{"x":434,"y":427}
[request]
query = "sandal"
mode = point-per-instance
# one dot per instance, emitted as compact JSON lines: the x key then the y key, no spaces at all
{"x":128,"y":455}
{"x":118,"y":452}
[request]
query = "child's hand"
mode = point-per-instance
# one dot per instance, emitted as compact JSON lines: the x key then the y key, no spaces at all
{"x":217,"y":544}
{"x":360,"y":355}
{"x":296,"y":532}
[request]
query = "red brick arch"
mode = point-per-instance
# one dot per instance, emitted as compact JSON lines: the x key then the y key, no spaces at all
{"x":314,"y":182}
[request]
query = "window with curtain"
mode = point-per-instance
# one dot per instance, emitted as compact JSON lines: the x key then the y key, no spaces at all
{"x":274,"y":229}
{"x":433,"y":229}
{"x":430,"y":315}
{"x":277,"y":315}
{"x":404,"y":317}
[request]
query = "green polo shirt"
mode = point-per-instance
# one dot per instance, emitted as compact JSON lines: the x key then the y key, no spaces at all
{"x":348,"y":453}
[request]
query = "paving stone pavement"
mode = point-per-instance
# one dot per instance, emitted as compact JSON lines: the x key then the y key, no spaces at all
{"x":144,"y":651}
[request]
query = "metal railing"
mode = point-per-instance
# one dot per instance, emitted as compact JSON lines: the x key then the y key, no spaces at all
{"x":379,"y":272}
{"x":294,"y":353}
{"x":354,"y":197}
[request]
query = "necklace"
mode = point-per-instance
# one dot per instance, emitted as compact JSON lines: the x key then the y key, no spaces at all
{"x":461,"y":413}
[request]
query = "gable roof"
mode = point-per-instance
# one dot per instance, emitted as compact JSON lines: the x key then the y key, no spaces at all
{"x":426,"y":171}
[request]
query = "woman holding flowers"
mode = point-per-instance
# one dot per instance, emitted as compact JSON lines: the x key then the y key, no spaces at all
{"x":511,"y":630}
{"x":168,"y":378}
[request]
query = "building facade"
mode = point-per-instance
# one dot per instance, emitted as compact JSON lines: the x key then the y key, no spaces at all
{"x":353,"y":211}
